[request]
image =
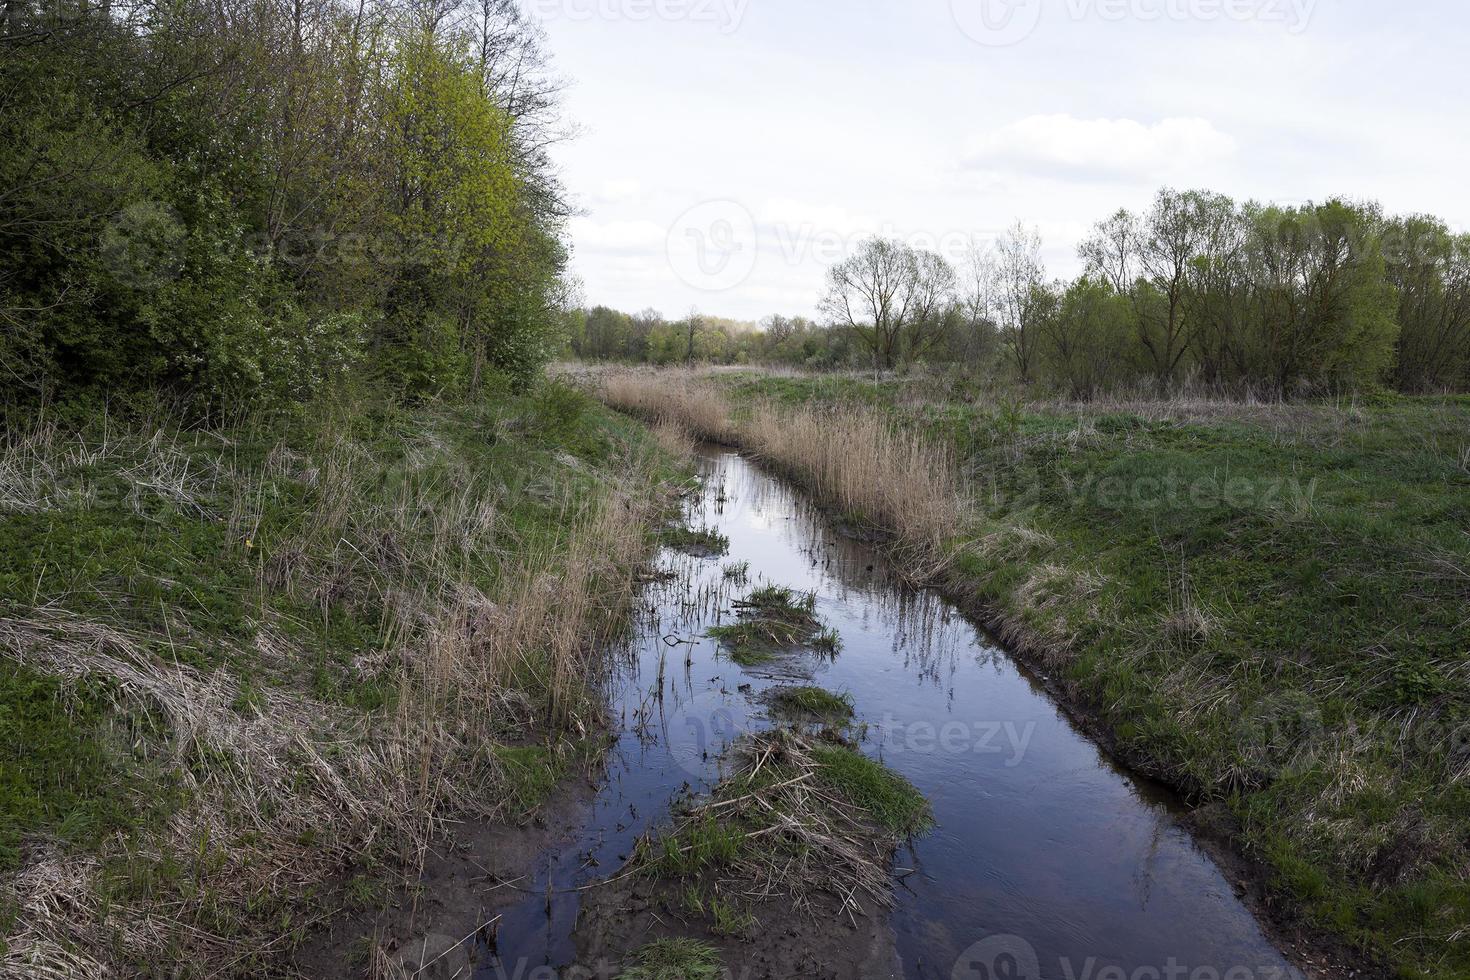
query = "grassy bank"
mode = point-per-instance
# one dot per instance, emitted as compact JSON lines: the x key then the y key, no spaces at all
{"x":239,"y":662}
{"x":1266,"y":605}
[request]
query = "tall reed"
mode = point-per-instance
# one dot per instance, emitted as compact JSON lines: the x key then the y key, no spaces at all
{"x":853,"y":458}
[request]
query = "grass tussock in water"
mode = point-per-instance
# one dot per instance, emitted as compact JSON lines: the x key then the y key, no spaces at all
{"x":700,"y":542}
{"x":674,"y":959}
{"x":772,"y":620}
{"x":812,"y":703}
{"x":794,"y":819}
{"x":236,"y":661}
{"x":1264,"y":600}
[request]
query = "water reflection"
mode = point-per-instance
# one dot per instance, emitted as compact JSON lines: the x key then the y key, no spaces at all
{"x":1044,"y":853}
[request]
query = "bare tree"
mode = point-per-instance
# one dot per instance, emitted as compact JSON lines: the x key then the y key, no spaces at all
{"x":934,"y":290}
{"x":978,"y":301}
{"x":893,"y":298}
{"x":1111,"y":251}
{"x":870,"y":294}
{"x":1021,"y":295}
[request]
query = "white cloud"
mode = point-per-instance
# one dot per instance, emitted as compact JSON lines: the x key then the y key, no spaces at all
{"x":755,"y":117}
{"x":618,"y":191}
{"x":616,"y":236}
{"x":1105,"y":149}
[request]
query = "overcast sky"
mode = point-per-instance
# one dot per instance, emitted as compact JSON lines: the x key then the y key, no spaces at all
{"x":732,"y":149}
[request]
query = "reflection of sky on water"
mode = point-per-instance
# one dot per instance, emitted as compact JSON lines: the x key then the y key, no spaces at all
{"x":1038,"y":835}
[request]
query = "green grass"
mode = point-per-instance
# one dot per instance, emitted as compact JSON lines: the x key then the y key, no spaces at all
{"x":813,"y":702}
{"x":1267,"y":603}
{"x":273,"y":553}
{"x":70,"y":769}
{"x":532,"y":772}
{"x":704,"y":844}
{"x":772,"y":620}
{"x":886,"y":796}
{"x":674,"y":959}
{"x":770,"y":824}
{"x":701,"y":542}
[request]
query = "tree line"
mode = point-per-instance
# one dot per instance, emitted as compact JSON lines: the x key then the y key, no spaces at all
{"x":1242,"y":296}
{"x":249,"y":199}
{"x":647,"y":337}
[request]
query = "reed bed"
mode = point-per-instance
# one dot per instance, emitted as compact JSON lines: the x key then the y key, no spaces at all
{"x":663,"y":398}
{"x":852,"y":458}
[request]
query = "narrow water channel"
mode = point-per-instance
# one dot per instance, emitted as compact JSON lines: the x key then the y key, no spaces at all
{"x":1047,"y":862}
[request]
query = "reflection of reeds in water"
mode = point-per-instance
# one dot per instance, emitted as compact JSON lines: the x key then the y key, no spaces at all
{"x":851,"y":458}
{"x":691,"y":595}
{"x":926,"y":632}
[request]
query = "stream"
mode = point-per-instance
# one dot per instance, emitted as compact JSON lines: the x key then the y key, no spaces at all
{"x":1048,"y":862}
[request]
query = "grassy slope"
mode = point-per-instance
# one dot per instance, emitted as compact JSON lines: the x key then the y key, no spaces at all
{"x":1269,"y":606}
{"x":287,"y":557}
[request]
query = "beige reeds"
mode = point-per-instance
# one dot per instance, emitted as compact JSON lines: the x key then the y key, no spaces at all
{"x":858,"y":462}
{"x":853,"y":459}
{"x":670,"y":398}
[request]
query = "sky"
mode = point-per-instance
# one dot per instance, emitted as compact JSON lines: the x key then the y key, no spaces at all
{"x":730,"y":151}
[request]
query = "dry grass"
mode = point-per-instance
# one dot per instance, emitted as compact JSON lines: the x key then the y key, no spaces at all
{"x":851,"y":458}
{"x":669,"y":397}
{"x":857,"y":462}
{"x":788,"y":822}
{"x":285,"y":790}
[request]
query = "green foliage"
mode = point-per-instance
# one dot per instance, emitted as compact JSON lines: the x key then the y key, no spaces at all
{"x":1277,"y":301}
{"x":247,"y":208}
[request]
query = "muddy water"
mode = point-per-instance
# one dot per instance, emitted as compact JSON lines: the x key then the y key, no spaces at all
{"x":1048,"y":863}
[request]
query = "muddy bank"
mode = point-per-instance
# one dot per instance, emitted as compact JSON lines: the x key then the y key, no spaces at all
{"x":831,"y":943}
{"x":445,"y":925}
